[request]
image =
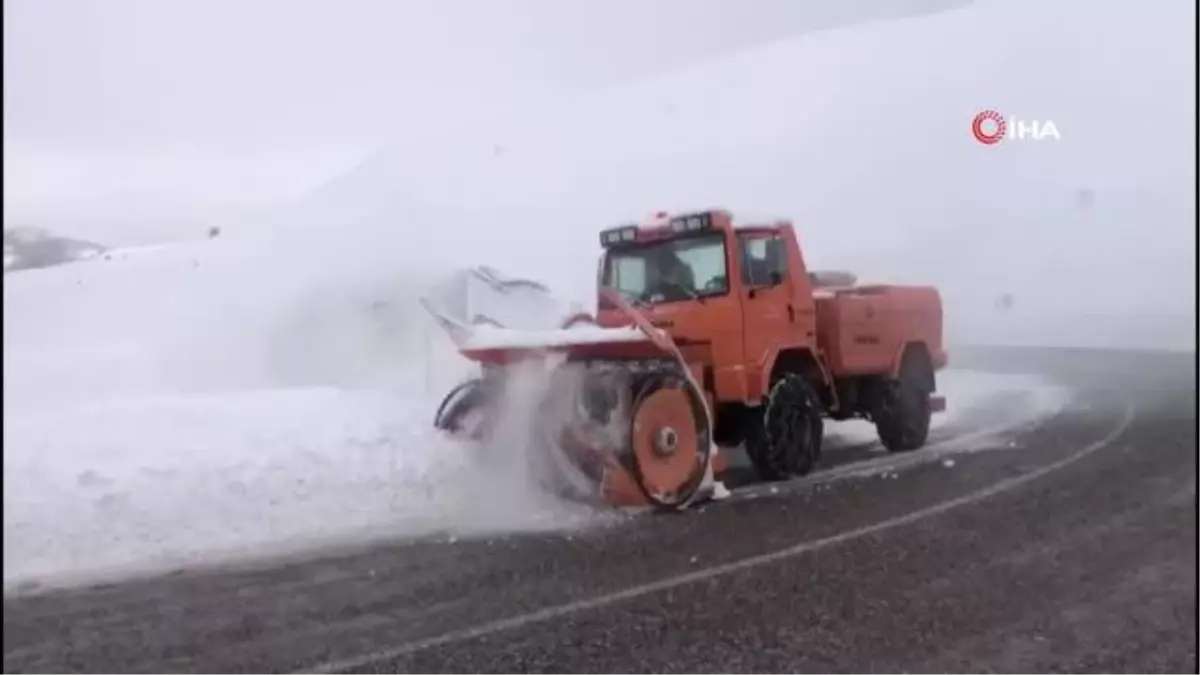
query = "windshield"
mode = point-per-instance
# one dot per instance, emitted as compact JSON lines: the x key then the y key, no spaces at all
{"x":670,"y":270}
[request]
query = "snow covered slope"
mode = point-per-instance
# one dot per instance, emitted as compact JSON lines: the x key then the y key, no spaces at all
{"x":230,"y":397}
{"x":863,"y":135}
{"x":31,"y":248}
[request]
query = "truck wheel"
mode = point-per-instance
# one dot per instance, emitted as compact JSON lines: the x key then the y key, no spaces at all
{"x":458,"y":404}
{"x":903,"y":421}
{"x":786,"y":440}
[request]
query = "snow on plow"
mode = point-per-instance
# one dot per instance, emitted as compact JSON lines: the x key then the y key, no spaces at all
{"x":621,"y":420}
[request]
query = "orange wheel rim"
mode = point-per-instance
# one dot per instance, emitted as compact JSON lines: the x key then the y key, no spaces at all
{"x":665,"y":441}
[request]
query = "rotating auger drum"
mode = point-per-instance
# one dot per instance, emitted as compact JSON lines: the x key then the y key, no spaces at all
{"x":636,"y":431}
{"x":620,"y":419}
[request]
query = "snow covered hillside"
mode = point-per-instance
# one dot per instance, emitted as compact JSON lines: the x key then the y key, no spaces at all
{"x":128,"y":196}
{"x":32,"y":248}
{"x":863,"y":136}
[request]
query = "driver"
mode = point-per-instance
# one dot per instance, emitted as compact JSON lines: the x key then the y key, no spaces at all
{"x":674,"y":278}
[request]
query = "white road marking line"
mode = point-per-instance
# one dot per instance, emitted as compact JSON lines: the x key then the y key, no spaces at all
{"x":357,"y":663}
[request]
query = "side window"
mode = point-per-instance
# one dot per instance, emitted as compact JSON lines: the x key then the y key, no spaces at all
{"x":764,"y":260}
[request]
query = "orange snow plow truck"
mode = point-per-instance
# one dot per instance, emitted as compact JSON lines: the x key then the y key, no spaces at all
{"x":709,"y":334}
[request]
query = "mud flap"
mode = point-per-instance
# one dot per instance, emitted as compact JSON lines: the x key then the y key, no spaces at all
{"x":937,"y":403}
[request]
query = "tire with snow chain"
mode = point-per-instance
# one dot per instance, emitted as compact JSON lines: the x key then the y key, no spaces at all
{"x":786,"y":440}
{"x":903,"y":421}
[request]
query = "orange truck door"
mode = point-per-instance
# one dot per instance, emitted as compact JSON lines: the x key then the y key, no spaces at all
{"x":768,"y":314}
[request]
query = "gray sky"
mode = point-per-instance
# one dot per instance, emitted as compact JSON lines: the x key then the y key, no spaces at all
{"x":307,"y":71}
{"x":122,"y":115}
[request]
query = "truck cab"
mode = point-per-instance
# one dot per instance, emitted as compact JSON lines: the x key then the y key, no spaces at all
{"x":745,"y":310}
{"x":732,"y":297}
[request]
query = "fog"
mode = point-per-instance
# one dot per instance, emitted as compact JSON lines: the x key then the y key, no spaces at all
{"x":134,"y":121}
{"x":129,"y":70}
{"x":123,"y":113}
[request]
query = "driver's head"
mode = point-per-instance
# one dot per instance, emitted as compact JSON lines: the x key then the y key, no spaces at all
{"x":669,"y":265}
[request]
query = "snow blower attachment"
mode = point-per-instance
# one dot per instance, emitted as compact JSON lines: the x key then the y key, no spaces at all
{"x":622,"y":421}
{"x":707,"y":333}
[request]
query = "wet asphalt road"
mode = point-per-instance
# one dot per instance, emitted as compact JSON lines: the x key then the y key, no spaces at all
{"x":1069,"y":545}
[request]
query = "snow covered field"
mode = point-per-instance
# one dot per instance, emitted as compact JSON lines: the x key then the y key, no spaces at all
{"x":180,"y":406}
